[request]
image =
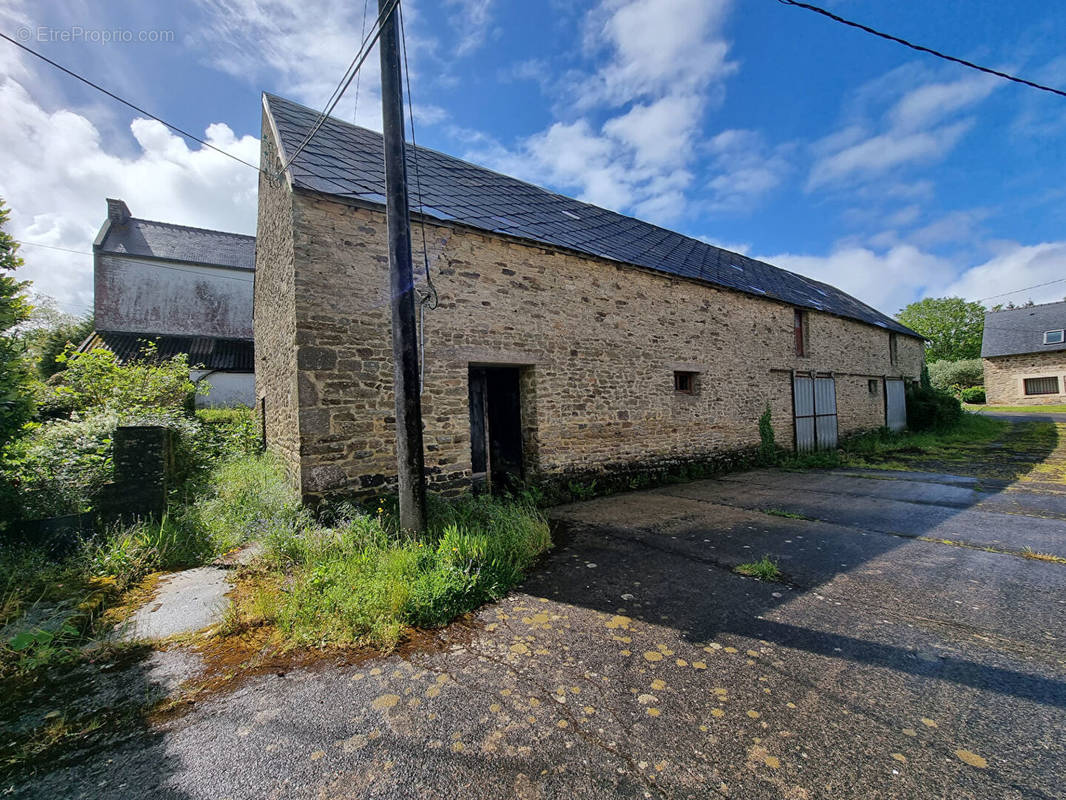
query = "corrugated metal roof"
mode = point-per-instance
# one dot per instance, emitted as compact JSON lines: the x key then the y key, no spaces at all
{"x":143,"y":237}
{"x":347,"y":161}
{"x":1021,"y":330}
{"x":204,"y":352}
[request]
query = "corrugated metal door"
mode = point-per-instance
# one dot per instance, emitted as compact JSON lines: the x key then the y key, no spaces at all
{"x":895,"y":404}
{"x":825,"y":412}
{"x":814,"y":402}
{"x":803,"y":410}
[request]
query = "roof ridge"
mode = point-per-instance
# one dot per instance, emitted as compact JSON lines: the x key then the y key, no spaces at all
{"x":190,"y":227}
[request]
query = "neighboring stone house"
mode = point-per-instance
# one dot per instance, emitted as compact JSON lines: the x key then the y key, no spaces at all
{"x":188,"y":290}
{"x":569,"y":341}
{"x":1024,"y":355}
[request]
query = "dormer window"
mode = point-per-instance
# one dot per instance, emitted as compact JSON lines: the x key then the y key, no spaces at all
{"x":1053,"y":337}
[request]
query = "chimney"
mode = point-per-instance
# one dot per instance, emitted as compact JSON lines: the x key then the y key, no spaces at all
{"x":117,"y":212}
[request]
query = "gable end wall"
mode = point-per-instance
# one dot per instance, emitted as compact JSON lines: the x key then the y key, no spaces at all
{"x":274,"y":314}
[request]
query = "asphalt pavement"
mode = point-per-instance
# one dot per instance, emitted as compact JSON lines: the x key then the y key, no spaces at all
{"x":912,"y":650}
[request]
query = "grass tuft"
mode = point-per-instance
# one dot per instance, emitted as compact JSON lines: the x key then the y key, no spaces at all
{"x":778,"y":512}
{"x":765,"y":569}
{"x":1028,"y":552}
{"x":354,"y":579}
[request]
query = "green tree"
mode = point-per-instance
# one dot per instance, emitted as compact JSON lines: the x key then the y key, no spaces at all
{"x":16,"y":403}
{"x":48,"y":331}
{"x":952,"y":325}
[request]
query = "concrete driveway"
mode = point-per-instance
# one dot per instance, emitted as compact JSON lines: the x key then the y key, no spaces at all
{"x":636,"y":663}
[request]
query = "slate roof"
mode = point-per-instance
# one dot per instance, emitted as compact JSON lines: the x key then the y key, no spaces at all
{"x":204,"y":352}
{"x":1021,"y":330}
{"x":346,"y":161}
{"x":146,"y":238}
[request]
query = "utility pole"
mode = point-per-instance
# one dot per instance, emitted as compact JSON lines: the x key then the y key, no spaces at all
{"x":409,"y":455}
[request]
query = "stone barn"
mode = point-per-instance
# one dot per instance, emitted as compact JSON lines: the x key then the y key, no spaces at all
{"x":569,"y":342}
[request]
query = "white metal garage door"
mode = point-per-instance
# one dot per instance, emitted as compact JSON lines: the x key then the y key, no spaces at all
{"x":814,"y":400}
{"x":895,"y":404}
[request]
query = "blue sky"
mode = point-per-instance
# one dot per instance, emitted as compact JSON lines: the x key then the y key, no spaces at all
{"x":751,"y":124}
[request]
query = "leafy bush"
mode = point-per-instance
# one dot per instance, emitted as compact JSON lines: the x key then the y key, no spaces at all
{"x":59,"y":466}
{"x":973,"y":394}
{"x":932,"y":409}
{"x":97,"y":380}
{"x":947,"y":375}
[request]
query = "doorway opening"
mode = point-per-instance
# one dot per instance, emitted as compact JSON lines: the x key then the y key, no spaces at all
{"x":496,"y":428}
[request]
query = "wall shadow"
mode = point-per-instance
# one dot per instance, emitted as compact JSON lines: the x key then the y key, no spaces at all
{"x":680,"y":560}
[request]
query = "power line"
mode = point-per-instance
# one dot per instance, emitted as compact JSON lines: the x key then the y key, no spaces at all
{"x":1026,"y":289}
{"x":127,"y":103}
{"x":358,"y":78}
{"x":53,"y":247}
{"x":921,"y":48}
{"x":345,"y":81}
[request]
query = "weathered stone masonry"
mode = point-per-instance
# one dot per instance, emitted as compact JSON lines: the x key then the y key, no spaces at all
{"x":598,"y":343}
{"x":1005,"y":377}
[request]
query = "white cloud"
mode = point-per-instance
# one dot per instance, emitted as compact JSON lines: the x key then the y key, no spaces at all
{"x":665,"y":61}
{"x":657,"y":47}
{"x":1016,"y":267}
{"x":658,"y":133}
{"x":747,"y":169}
{"x":890,"y":279}
{"x":887,"y":281}
{"x":472,"y":22}
{"x":299,"y":48}
{"x":58,"y":173}
{"x":877,"y":155}
{"x":920,"y":126}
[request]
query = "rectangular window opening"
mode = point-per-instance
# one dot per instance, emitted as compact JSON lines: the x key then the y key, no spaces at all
{"x":893,"y":349}
{"x":685,"y":382}
{"x":1041,"y":385}
{"x":1054,"y":337}
{"x":800,"y":326}
{"x":872,"y":384}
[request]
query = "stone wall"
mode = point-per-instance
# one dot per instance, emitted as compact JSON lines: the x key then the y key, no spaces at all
{"x":598,"y":344}
{"x":274,"y":315}
{"x":1005,"y":376}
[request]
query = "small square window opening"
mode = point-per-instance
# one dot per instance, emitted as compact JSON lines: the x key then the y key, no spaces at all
{"x":1054,"y":337}
{"x":685,"y":382}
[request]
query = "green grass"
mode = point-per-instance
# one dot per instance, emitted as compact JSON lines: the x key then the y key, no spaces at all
{"x":778,"y":512}
{"x":765,"y":569}
{"x":1058,"y":408}
{"x":358,"y":581}
{"x":884,"y":448}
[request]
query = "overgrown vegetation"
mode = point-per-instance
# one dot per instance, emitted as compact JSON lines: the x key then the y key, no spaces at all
{"x":767,"y":444}
{"x":16,"y":403}
{"x":354,"y":578}
{"x":930,"y":409}
{"x":886,"y":448}
{"x":973,"y":394}
{"x":954,"y":376}
{"x":765,"y":569}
